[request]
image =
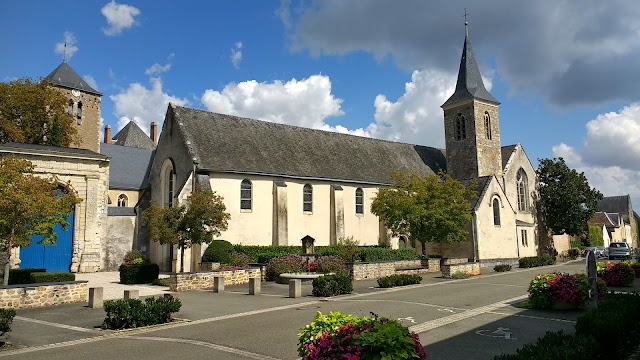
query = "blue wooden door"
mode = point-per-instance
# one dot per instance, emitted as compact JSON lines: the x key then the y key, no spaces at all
{"x":54,"y":258}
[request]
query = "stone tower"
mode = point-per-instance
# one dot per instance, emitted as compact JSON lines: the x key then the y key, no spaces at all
{"x":84,"y":104}
{"x":471,"y":123}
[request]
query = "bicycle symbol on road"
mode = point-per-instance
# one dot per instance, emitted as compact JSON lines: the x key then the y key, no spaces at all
{"x":498,"y":333}
{"x":408,"y":318}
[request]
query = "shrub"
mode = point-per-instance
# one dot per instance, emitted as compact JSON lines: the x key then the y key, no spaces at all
{"x":546,"y":289}
{"x":286,"y":264}
{"x":534,"y":261}
{"x":238,"y":259}
{"x":331,"y":285}
{"x":218,"y":251}
{"x":6,"y":319}
{"x":617,"y":274}
{"x":399,"y":280}
{"x":329,"y":264}
{"x":366,"y":338}
{"x":502,"y":268}
{"x":44,"y":277}
{"x":138,"y":273}
{"x":557,"y":346}
{"x":132,"y":313}
{"x":22,"y":276}
{"x":460,"y":275}
{"x":348,"y":249}
{"x":135,"y":257}
{"x":370,"y":254}
{"x":264,"y":254}
{"x":162,"y":282}
{"x":326,"y":323}
{"x":573,"y":253}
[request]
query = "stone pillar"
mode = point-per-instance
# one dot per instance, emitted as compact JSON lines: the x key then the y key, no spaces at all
{"x":280,"y":233}
{"x":131,"y":294}
{"x":336,"y":225}
{"x":295,"y":288}
{"x":96,"y":297}
{"x":254,"y":286}
{"x":218,"y":284}
{"x":90,"y":255}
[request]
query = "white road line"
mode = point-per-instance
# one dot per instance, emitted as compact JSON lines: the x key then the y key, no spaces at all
{"x":63,"y":326}
{"x":206,"y":344}
{"x":533,"y":317}
{"x":408,"y":302}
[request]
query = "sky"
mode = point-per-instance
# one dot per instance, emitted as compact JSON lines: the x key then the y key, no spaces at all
{"x":566,"y":72}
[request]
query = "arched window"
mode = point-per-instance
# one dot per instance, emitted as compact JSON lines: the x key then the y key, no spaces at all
{"x":168,"y":176}
{"x":70,"y":107}
{"x":246,"y":192}
{"x":79,"y":113}
{"x":496,"y":211}
{"x":307,"y":198}
{"x":487,"y":125}
{"x":122,"y":200}
{"x":522,"y":187}
{"x":461,"y":130}
{"x":359,"y":201}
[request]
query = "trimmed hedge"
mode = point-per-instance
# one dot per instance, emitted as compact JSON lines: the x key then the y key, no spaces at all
{"x":218,"y":251}
{"x":502,"y":268}
{"x":133,"y":313}
{"x":399,"y":280}
{"x":264,"y":254}
{"x":535,"y":261}
{"x":138,"y":273}
{"x":6,"y":319}
{"x":331,"y":285}
{"x":371,"y":254}
{"x":22,"y":276}
{"x":45,"y":277}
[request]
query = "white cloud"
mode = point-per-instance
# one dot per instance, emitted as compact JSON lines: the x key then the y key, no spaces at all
{"x":143,"y":105}
{"x":236,"y":54}
{"x":67,"y":47}
{"x":91,"y":81}
{"x":119,"y":17}
{"x":156,"y":69}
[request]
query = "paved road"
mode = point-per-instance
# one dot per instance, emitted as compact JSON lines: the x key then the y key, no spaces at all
{"x":457,"y":319}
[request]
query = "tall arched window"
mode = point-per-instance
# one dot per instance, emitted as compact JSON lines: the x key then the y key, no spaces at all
{"x":461,"y":130}
{"x":122,"y":200}
{"x":167,"y":176}
{"x":307,"y":198}
{"x":246,"y":193}
{"x":496,"y":211}
{"x":79,"y":112}
{"x":70,"y":107}
{"x":359,"y":201}
{"x":487,"y":125}
{"x":522,"y":188}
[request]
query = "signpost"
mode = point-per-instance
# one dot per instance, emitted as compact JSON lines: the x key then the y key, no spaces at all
{"x":592,"y":275}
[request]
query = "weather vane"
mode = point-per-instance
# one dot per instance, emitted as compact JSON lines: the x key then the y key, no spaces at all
{"x":465,"y":15}
{"x":64,"y":56}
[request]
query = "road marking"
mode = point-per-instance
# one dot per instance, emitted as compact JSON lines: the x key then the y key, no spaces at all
{"x":533,"y":317}
{"x":447,"y":310}
{"x":205,"y":344}
{"x":498,"y":333}
{"x":63,"y":326}
{"x":408,"y":318}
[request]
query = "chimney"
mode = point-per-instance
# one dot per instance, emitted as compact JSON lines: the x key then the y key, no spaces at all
{"x":154,"y":133}
{"x":107,"y":134}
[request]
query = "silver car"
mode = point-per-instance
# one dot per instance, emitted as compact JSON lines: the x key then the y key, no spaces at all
{"x":619,"y":250}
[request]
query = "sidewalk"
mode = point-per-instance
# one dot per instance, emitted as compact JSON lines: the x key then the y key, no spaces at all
{"x":110,"y":282}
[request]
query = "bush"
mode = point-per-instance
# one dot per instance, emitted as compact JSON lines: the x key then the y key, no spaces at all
{"x":360,"y":338}
{"x":573,"y":253}
{"x":557,"y":346}
{"x":371,"y":254}
{"x":162,"y":282}
{"x":22,"y":276}
{"x":330,"y":264}
{"x":134,"y":257}
{"x":287,"y":264}
{"x":326,"y":323}
{"x":546,"y":289}
{"x":534,"y":261}
{"x":460,"y":275}
{"x":348,"y":249}
{"x":331,"y":285}
{"x":6,"y":319}
{"x":399,"y":280}
{"x":617,"y":274}
{"x":264,"y":254}
{"x":502,"y":268}
{"x":44,"y":277}
{"x":218,"y":251}
{"x":238,"y":259}
{"x":138,"y":273}
{"x":133,"y":313}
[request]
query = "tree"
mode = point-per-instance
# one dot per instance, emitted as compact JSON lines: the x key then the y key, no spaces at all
{"x":566,"y":199}
{"x":425,"y":208}
{"x":30,"y":205}
{"x":184,"y":226}
{"x":55,"y":137}
{"x":28,"y":110}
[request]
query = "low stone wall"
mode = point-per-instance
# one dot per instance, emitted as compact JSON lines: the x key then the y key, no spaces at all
{"x":376,"y":270}
{"x":204,"y":280}
{"x":40,"y":295}
{"x":454,"y":261}
{"x":493,"y":262}
{"x":468,"y":268}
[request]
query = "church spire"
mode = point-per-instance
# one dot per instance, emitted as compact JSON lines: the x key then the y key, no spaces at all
{"x":469,"y":85}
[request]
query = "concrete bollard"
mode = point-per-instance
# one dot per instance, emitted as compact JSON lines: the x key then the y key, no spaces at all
{"x":218,"y":284}
{"x":254,"y":286}
{"x":131,"y":294}
{"x":295,"y":288}
{"x":96,"y":297}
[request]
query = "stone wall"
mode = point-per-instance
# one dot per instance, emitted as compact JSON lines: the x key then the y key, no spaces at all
{"x":454,"y":261}
{"x":469,"y":268}
{"x":204,"y":280}
{"x":40,"y":295}
{"x":121,"y":231}
{"x":375,"y":270}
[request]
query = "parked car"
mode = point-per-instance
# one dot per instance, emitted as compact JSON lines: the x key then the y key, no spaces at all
{"x":601,"y":252}
{"x":619,"y":250}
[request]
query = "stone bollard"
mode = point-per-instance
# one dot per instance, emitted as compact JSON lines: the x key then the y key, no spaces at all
{"x":131,"y":294}
{"x":254,"y":286}
{"x":218,"y":284}
{"x":295,"y":288}
{"x":96,"y":297}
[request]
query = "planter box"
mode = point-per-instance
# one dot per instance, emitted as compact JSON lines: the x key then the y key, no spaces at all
{"x":468,"y":268}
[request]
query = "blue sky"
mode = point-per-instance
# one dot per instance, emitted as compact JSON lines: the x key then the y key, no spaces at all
{"x":565,"y":72}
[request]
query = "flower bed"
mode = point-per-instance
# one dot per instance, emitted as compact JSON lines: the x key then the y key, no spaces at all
{"x":298,"y":264}
{"x":616,"y":274}
{"x":557,"y":288}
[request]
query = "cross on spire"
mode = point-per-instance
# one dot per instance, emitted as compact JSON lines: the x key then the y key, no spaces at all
{"x":466,"y":23}
{"x":64,"y":56}
{"x":465,"y":15}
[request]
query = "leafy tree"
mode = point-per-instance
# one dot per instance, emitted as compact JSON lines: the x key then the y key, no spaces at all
{"x":184,"y":226}
{"x":29,"y":205}
{"x":425,"y":208}
{"x":27,"y":113}
{"x":567,"y":201}
{"x":55,"y":137}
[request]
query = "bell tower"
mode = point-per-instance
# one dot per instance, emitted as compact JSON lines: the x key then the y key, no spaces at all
{"x":471,"y":123}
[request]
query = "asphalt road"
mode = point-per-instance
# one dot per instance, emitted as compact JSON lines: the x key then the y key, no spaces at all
{"x":475,"y":318}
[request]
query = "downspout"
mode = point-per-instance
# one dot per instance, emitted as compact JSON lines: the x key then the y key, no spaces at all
{"x":517,"y":243}
{"x":474,"y":235}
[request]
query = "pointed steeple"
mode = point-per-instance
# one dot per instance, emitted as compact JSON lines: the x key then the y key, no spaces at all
{"x":469,"y":85}
{"x":66,"y":77}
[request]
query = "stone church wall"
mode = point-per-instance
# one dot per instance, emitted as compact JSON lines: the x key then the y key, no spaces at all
{"x":496,"y":241}
{"x":89,"y":125}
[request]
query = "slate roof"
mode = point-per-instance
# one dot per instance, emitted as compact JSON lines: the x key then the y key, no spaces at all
{"x":506,"y":154}
{"x":131,"y":135}
{"x":601,"y":218}
{"x":50,"y":149}
{"x":129,"y":166}
{"x":469,"y":85}
{"x":64,"y":76}
{"x":225,"y":143}
{"x":614,"y":204}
